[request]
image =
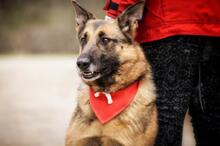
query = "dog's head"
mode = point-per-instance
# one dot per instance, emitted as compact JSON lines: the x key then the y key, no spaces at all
{"x":107,"y":47}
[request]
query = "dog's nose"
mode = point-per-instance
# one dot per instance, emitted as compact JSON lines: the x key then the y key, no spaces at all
{"x":83,"y":63}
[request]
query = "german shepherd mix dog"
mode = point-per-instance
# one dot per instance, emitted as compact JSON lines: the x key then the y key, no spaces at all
{"x":111,"y":62}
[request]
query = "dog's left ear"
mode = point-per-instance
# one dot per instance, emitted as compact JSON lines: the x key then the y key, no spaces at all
{"x":128,"y":20}
{"x":82,"y":16}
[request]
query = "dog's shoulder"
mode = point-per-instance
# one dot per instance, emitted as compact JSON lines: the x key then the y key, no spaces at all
{"x":82,"y":93}
{"x":147,"y":89}
{"x":83,"y":98}
{"x":144,"y":99}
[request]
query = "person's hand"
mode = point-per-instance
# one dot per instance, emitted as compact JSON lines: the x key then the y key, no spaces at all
{"x":108,"y":18}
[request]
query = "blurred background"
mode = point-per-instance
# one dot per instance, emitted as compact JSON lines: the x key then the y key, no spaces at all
{"x":40,"y":26}
{"x":38,"y":78}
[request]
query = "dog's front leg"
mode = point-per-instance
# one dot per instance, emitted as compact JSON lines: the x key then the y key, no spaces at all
{"x":90,"y":141}
{"x":110,"y":142}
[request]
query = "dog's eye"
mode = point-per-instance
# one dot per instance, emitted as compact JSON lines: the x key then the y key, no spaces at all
{"x":105,"y":40}
{"x":83,"y":39}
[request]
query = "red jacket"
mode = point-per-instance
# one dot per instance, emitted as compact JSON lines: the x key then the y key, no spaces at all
{"x":164,"y":18}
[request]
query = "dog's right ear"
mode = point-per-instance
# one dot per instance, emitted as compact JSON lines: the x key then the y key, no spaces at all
{"x":82,"y":16}
{"x":128,"y":20}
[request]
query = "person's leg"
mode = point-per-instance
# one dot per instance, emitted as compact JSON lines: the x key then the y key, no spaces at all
{"x":205,"y":108}
{"x":173,"y":62}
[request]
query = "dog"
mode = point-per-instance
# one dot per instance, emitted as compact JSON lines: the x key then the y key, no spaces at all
{"x":111,"y":61}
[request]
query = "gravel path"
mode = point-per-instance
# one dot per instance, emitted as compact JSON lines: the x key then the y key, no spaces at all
{"x":37,"y":98}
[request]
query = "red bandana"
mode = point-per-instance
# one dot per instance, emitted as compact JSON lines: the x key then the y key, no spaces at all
{"x":107,"y":106}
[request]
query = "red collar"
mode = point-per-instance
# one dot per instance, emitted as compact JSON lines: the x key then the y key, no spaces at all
{"x":120,"y":100}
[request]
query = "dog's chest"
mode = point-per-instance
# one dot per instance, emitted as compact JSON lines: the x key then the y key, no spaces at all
{"x":131,"y":117}
{"x":124,"y":128}
{"x":128,"y":128}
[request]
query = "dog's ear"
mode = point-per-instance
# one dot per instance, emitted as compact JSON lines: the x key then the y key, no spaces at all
{"x":128,"y":20}
{"x":82,"y":16}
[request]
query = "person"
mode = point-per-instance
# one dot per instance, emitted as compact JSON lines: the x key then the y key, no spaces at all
{"x":181,"y":39}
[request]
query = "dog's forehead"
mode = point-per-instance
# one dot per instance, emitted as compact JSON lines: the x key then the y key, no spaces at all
{"x":107,"y":26}
{"x":95,"y":24}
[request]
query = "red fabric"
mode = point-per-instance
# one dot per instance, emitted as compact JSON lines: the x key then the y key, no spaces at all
{"x":121,"y":99}
{"x":164,"y":18}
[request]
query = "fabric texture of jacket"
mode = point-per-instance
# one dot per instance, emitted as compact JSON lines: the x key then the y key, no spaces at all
{"x":164,"y":18}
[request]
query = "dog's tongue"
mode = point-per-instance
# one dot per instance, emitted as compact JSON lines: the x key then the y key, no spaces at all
{"x":121,"y":99}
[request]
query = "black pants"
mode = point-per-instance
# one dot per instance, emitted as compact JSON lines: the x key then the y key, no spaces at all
{"x":186,"y":74}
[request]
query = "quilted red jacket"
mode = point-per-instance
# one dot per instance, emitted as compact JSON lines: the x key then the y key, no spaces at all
{"x":164,"y":18}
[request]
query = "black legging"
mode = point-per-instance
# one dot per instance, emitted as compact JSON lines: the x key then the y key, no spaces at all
{"x":186,"y":74}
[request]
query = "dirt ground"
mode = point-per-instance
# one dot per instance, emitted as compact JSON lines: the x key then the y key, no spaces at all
{"x":37,"y":97}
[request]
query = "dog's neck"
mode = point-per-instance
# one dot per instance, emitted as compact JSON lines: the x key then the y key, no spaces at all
{"x":127,"y":74}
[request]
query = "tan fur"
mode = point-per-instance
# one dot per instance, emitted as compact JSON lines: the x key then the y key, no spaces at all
{"x":137,"y":124}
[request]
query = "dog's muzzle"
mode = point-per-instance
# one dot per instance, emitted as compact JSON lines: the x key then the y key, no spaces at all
{"x":83,"y":63}
{"x":87,"y":69}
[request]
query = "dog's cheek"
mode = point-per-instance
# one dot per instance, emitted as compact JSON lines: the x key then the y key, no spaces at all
{"x":109,"y":68}
{"x":110,"y":62}
{"x":127,"y":53}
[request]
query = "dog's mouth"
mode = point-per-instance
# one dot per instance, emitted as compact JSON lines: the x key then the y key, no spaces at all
{"x":90,"y":76}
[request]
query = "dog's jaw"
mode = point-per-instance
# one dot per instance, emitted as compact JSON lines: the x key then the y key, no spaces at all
{"x":91,"y":79}
{"x":126,"y":74}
